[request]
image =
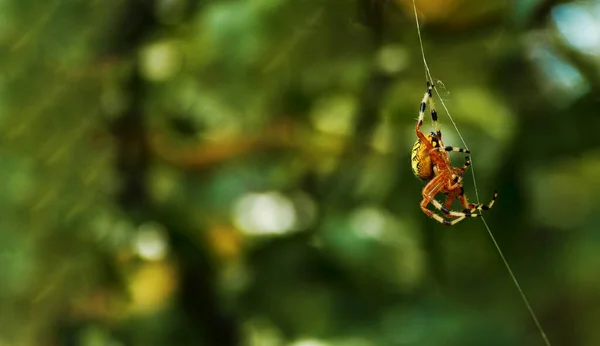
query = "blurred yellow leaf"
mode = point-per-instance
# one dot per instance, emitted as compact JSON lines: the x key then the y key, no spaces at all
{"x":225,"y":241}
{"x":151,"y":286}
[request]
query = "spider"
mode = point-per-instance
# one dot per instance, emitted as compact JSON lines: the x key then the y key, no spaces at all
{"x":430,"y":162}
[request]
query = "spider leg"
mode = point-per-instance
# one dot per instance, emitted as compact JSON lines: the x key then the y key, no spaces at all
{"x":428,"y":97}
{"x":436,"y":124}
{"x":460,"y":214}
{"x":429,"y":192}
{"x":448,"y":204}
{"x":449,"y":148}
{"x":467,"y":164}
{"x":455,"y":184}
{"x":422,"y":109}
{"x":437,"y":158}
{"x":474,"y":206}
{"x":441,"y":219}
{"x":463,"y":199}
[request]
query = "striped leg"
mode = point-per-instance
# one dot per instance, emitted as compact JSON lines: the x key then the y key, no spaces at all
{"x":467,"y":164}
{"x":459,"y":214}
{"x":454,"y":149}
{"x":448,"y":204}
{"x":434,"y":117}
{"x":474,"y":206}
{"x":429,"y":193}
{"x":422,"y":109}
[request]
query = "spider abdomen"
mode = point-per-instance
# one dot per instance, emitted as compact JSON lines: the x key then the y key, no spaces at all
{"x":420,"y":161}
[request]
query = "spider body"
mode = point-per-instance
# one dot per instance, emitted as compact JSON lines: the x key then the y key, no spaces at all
{"x":430,"y":162}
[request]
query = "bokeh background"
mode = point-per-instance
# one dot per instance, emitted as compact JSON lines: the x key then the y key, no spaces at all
{"x":197,"y":172}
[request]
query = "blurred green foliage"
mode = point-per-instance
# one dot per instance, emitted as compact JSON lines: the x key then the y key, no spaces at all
{"x":186,"y":172}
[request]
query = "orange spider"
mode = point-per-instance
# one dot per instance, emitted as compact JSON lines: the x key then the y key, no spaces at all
{"x":430,"y":162}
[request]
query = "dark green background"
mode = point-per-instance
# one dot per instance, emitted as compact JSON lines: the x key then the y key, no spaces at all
{"x":187,"y":172}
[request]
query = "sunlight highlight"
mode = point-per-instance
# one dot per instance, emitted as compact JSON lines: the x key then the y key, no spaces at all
{"x":151,"y":242}
{"x":264,"y":213}
{"x":579,"y":25}
{"x":309,"y":342}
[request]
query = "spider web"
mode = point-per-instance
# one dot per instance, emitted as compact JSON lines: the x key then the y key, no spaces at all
{"x":429,"y":77}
